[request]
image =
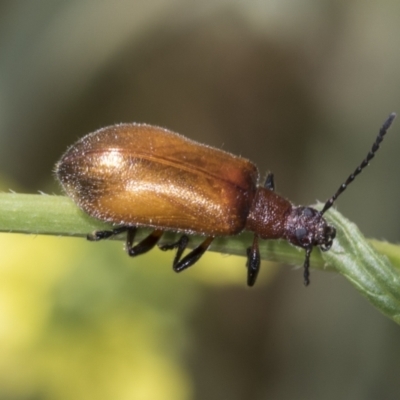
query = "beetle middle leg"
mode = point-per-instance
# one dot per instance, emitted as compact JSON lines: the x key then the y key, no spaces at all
{"x":253,"y":262}
{"x":143,"y":246}
{"x":187,"y":261}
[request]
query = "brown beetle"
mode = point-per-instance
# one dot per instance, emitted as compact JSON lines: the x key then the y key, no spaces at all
{"x":135,"y":175}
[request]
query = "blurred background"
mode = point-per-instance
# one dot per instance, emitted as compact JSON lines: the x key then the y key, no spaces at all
{"x":300,"y":88}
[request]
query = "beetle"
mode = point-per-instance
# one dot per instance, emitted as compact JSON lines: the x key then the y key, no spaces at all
{"x":139,"y":175}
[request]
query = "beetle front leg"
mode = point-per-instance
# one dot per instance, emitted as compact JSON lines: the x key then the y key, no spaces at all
{"x":253,"y":262}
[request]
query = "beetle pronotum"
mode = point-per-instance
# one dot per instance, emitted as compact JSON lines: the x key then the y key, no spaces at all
{"x":138,"y":175}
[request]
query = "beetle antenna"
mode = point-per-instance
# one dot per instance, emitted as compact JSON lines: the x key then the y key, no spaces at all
{"x":382,"y":132}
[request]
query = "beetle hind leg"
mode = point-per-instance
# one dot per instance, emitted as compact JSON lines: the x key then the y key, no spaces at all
{"x":187,"y":261}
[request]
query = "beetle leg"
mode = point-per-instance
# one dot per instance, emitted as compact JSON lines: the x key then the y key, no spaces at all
{"x":269,"y":182}
{"x":192,"y":257}
{"x":178,"y":264}
{"x":145,"y":245}
{"x":253,"y":262}
{"x":306,"y":273}
{"x":179,"y":244}
{"x":99,"y":235}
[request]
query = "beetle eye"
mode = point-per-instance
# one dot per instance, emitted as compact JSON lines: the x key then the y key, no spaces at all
{"x":301,"y":234}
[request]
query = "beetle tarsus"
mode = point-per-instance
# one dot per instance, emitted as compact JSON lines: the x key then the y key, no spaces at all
{"x":253,"y":262}
{"x":100,"y":235}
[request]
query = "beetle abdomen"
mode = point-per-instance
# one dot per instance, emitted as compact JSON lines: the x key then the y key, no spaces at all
{"x":133,"y":174}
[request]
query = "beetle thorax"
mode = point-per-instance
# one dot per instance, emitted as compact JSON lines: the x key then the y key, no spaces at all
{"x":306,"y":227}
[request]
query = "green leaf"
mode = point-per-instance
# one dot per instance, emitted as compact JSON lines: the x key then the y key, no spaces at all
{"x":371,"y":272}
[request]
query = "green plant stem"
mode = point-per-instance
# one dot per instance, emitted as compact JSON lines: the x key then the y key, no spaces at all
{"x":58,"y":215}
{"x":352,"y":255}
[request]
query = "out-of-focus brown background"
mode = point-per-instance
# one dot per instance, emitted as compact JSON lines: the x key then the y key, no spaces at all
{"x":301,"y":88}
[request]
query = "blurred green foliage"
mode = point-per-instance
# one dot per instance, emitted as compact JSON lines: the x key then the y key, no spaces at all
{"x":80,"y":320}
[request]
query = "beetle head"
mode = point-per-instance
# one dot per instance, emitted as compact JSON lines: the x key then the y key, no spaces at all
{"x":306,"y":227}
